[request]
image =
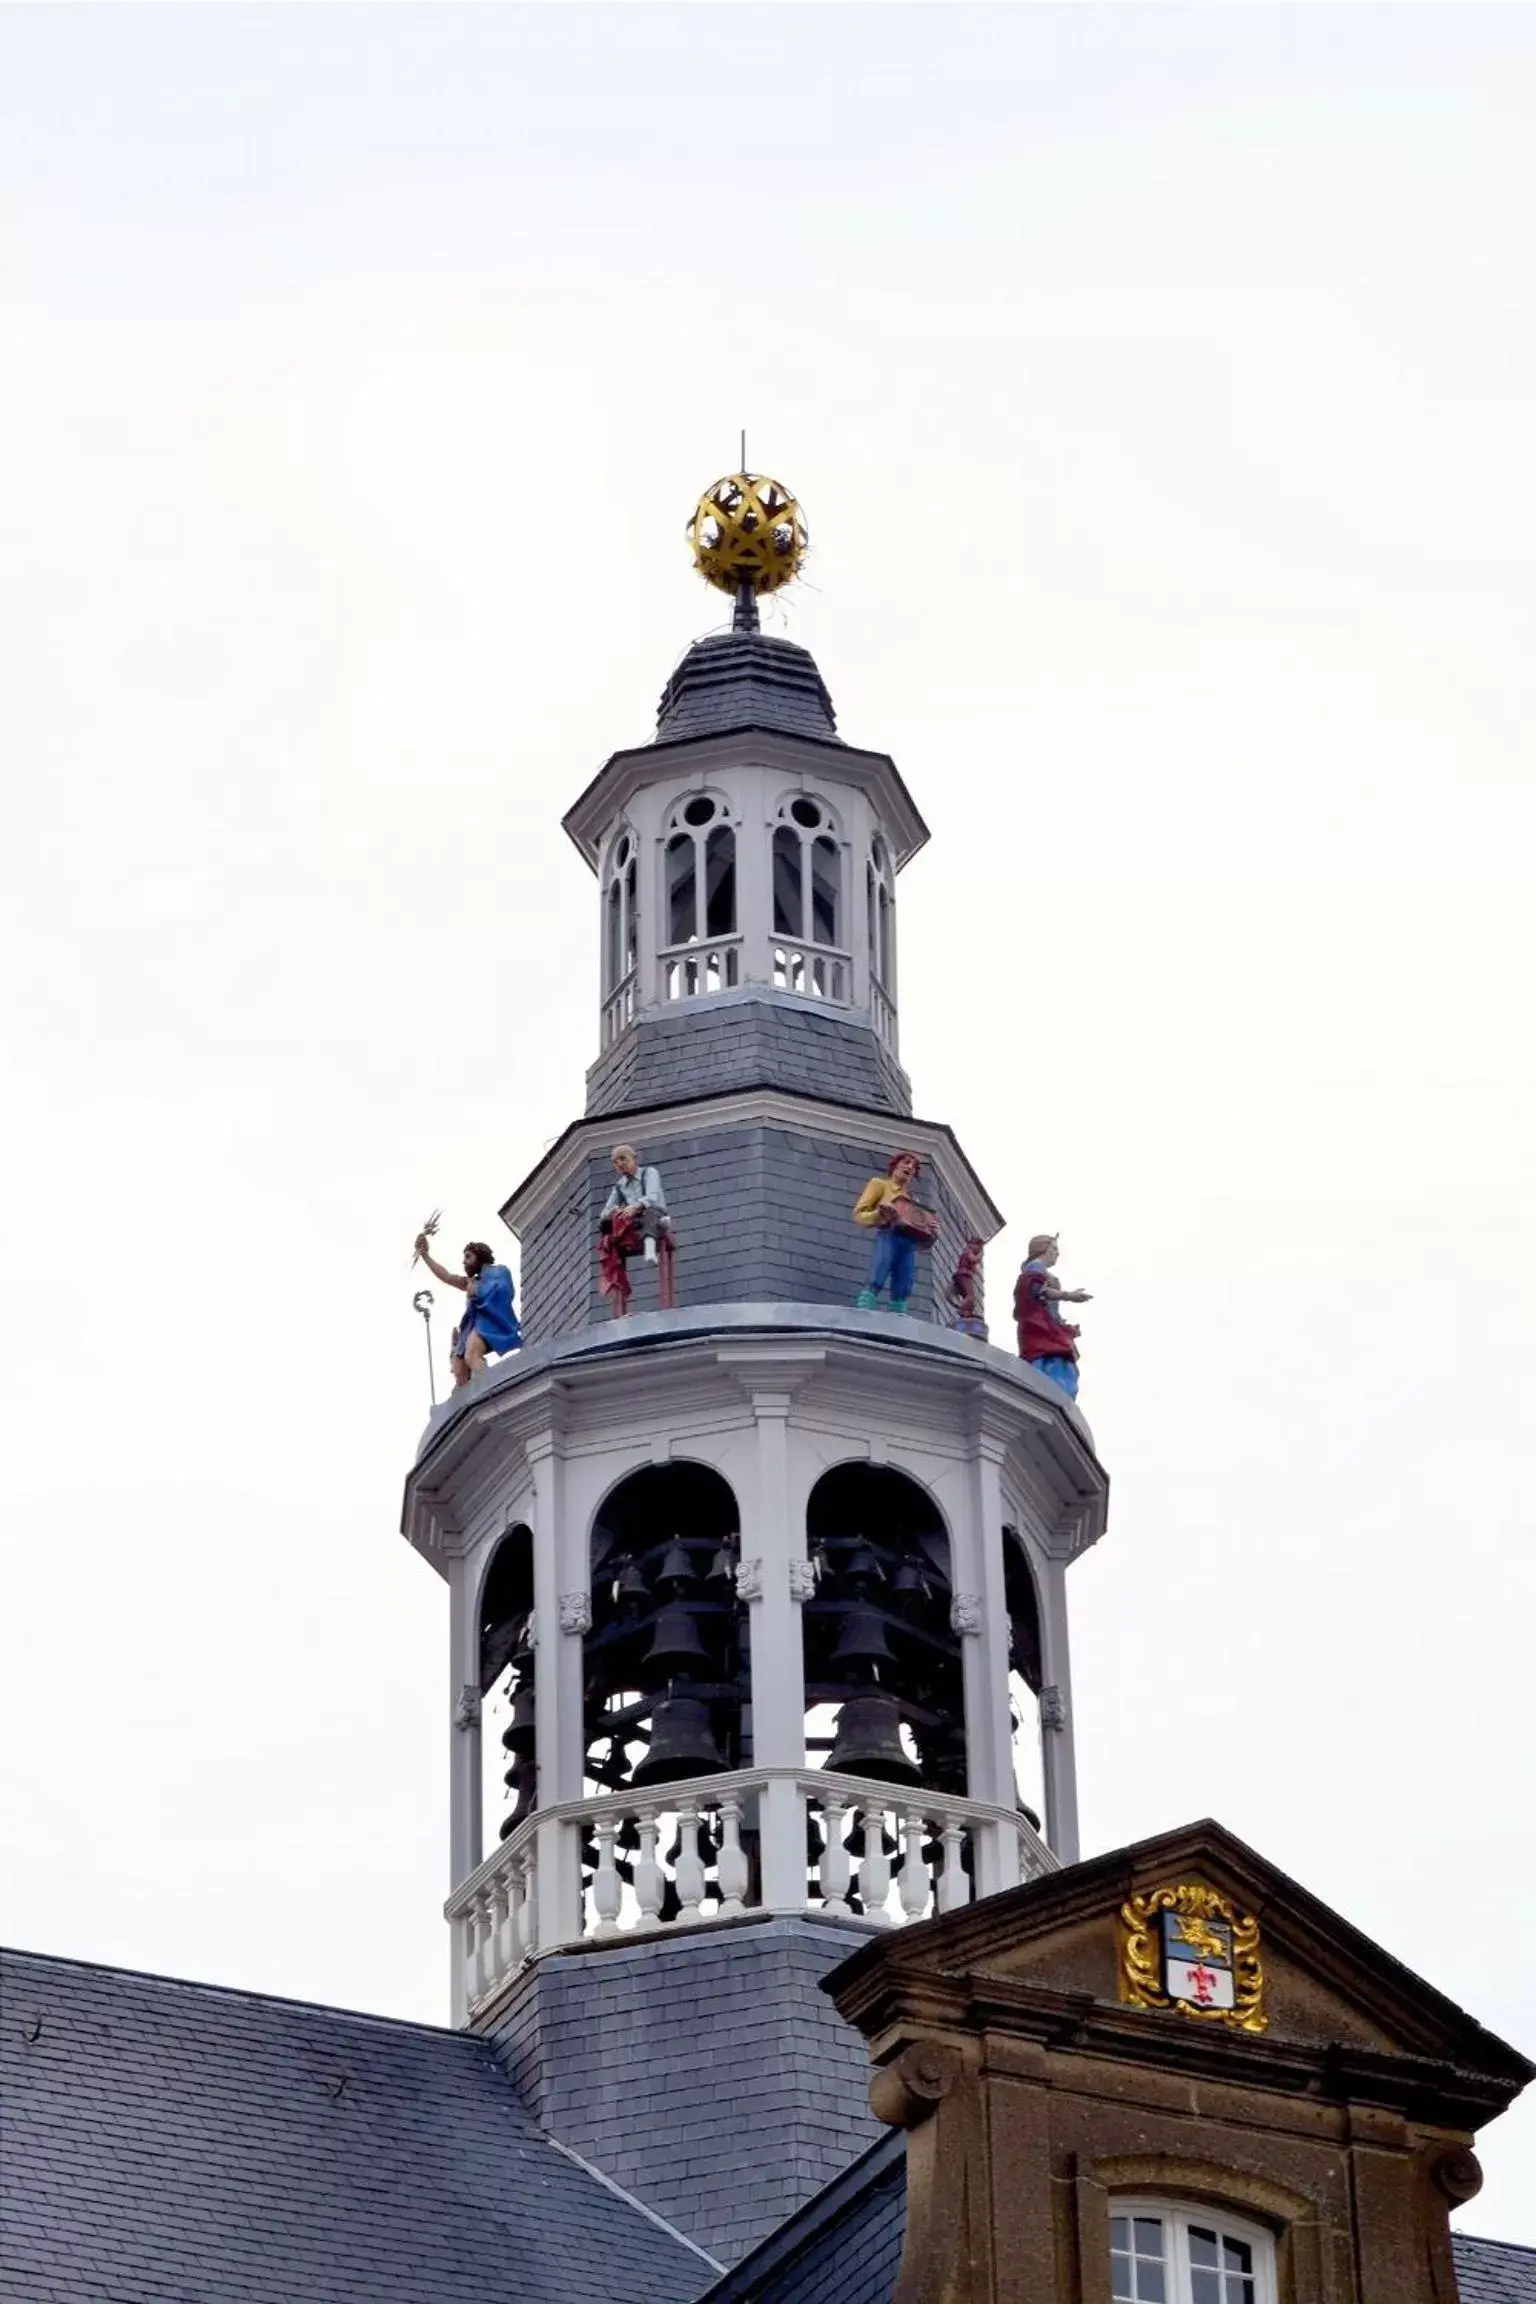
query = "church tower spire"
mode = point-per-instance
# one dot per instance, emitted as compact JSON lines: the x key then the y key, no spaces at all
{"x":756,"y":1554}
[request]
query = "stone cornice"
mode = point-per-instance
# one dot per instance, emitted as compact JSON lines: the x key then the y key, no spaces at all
{"x":652,"y":1127}
{"x":661,"y":1358}
{"x":625,"y":772}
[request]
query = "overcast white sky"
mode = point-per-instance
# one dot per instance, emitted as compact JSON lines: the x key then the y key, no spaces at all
{"x":1159,"y":385}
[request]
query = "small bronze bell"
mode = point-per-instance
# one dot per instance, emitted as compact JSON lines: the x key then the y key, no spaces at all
{"x":676,"y":1646}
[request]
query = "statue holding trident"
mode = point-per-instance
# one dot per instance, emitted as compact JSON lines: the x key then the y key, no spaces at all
{"x":1046,"y":1341}
{"x":489,"y":1323}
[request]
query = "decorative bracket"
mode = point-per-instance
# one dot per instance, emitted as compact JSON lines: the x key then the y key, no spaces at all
{"x":575,"y":1611}
{"x":802,"y":1579}
{"x":749,"y":1579}
{"x":466,"y":1713}
{"x":1053,"y":1707}
{"x":965,"y":1614}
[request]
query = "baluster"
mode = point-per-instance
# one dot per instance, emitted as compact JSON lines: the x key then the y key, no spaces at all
{"x":913,"y":1886}
{"x":731,"y":1863}
{"x":874,"y":1868}
{"x":649,"y":1884}
{"x":607,"y":1887}
{"x":528,"y":1904}
{"x":504,"y":1908}
{"x":954,"y":1887}
{"x":689,"y":1869}
{"x":469,"y":1947}
{"x":836,"y":1868}
{"x":485,"y":1947}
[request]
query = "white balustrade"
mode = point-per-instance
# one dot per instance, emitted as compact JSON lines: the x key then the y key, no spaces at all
{"x":619,"y":1009}
{"x":690,"y":969}
{"x":815,"y":973}
{"x":686,"y":1855}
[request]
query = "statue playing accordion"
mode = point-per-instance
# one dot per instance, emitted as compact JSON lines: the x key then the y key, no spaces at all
{"x":901,"y":1225}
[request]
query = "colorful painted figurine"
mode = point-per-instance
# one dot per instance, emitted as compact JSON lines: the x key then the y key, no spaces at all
{"x":902,"y":1225}
{"x":634,"y":1219}
{"x":965,"y":1290}
{"x":489,"y":1323}
{"x":1045,"y":1341}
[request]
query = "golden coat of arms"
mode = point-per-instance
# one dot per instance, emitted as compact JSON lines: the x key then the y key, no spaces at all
{"x":1188,"y":1949}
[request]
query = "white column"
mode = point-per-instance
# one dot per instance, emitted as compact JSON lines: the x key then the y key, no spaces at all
{"x":465,"y":1799}
{"x":775,"y":1569}
{"x":754,"y":873}
{"x":984,"y":1655}
{"x":557,"y":1691}
{"x":1057,"y":1749}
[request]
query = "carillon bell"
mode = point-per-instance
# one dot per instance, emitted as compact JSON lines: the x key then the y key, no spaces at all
{"x":862,"y":1566}
{"x":676,"y":1567}
{"x":676,"y":1645}
{"x":630,"y":1587}
{"x":868,"y":1742}
{"x":682,"y":1743}
{"x":519,"y":1735}
{"x":722,"y":1568}
{"x":862,"y":1638}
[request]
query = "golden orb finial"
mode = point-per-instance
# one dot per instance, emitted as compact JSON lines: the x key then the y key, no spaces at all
{"x":748,"y":536}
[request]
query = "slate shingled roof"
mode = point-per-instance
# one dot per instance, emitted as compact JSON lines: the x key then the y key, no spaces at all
{"x":844,"y":2247}
{"x":746,"y":680}
{"x":1493,"y":2271}
{"x":173,"y":2143}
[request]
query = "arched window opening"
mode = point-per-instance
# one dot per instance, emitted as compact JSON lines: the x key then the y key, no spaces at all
{"x":508,"y":1740}
{"x":1161,"y":2252}
{"x":885,"y":1694}
{"x":880,"y":886}
{"x":1026,"y":1673}
{"x":621,"y":935}
{"x":699,"y":862}
{"x":666,"y":1680}
{"x":807,"y":873}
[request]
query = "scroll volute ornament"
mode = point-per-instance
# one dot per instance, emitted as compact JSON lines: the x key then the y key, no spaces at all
{"x":911,"y":2087}
{"x":1187,"y":1948}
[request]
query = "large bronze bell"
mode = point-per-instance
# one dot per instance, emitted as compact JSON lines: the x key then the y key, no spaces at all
{"x":682,"y":1743}
{"x":677,"y":1565}
{"x":868,"y":1742}
{"x":862,"y":1638}
{"x":519,"y":1734}
{"x":677,"y":1645}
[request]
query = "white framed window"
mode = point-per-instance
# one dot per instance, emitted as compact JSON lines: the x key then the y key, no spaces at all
{"x":807,"y":873}
{"x":1163,"y":2252}
{"x":699,"y":870}
{"x":620,"y":910}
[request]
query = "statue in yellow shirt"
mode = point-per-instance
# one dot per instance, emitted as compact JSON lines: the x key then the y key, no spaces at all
{"x":895,"y":1259}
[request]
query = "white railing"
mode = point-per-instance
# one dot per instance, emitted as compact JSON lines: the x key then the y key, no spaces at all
{"x":813,"y":972}
{"x":681,"y":1855}
{"x":619,"y":1009}
{"x":689,"y":969}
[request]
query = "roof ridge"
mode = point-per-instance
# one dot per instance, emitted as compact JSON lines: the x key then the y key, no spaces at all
{"x":1482,"y":2240}
{"x":61,"y":1960}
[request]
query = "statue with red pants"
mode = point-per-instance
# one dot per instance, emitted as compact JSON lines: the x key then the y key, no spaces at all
{"x":634,"y":1221}
{"x":1046,"y":1341}
{"x":901,"y":1224}
{"x":965,"y":1290}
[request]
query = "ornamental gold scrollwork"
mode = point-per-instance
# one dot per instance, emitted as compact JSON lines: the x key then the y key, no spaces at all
{"x":1195,"y":1907}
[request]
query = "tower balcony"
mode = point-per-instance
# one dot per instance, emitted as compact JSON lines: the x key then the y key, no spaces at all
{"x":752,"y":1842}
{"x":763,"y":1608}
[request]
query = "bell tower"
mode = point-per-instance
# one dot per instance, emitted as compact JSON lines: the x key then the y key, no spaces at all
{"x":757,"y":1597}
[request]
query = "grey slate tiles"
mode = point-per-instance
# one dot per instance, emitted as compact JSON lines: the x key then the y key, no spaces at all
{"x":1493,"y":2271}
{"x":764,"y":1215}
{"x":169,"y":2143}
{"x":759,"y":1040}
{"x":745,"y":680}
{"x":706,"y":2073}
